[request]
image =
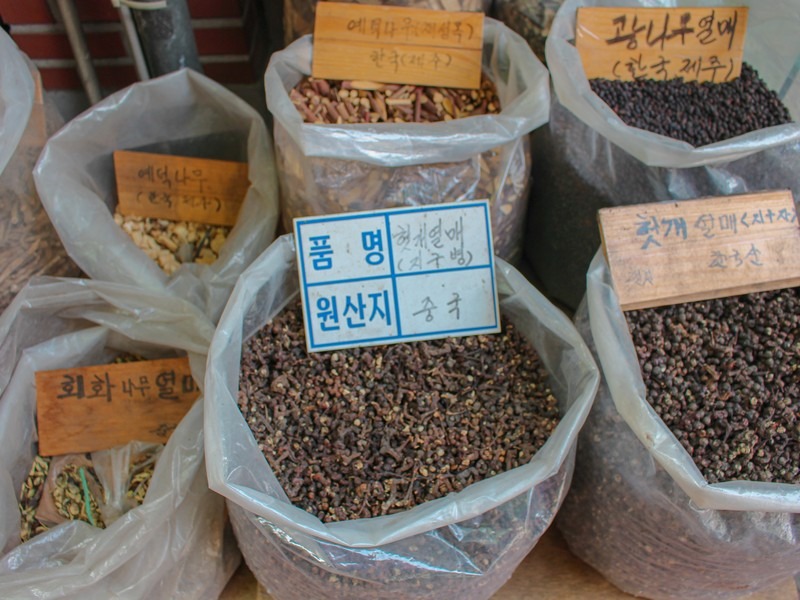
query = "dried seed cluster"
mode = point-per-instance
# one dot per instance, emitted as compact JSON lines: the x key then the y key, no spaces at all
{"x":70,"y":497}
{"x":698,"y":113}
{"x":29,"y":496}
{"x":171,"y":243}
{"x":327,"y":101}
{"x":372,"y":431}
{"x":723,"y":375}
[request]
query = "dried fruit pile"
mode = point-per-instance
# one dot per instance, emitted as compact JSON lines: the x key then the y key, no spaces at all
{"x":372,"y":431}
{"x":698,"y":113}
{"x":172,"y":243}
{"x":724,"y":377}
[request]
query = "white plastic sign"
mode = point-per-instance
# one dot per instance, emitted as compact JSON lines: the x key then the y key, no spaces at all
{"x":397,"y":275}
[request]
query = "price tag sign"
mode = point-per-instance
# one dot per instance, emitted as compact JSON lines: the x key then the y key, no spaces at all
{"x":83,"y":409}
{"x":675,"y":252}
{"x":161,"y":186}
{"x":397,"y":275}
{"x":629,"y":43}
{"x":394,"y":44}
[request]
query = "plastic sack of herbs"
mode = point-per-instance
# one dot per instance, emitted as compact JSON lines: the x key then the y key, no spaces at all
{"x":670,"y":141}
{"x":182,"y":114}
{"x":342,"y":149}
{"x":136,"y":521}
{"x":686,"y":479}
{"x":298,"y":15}
{"x":28,"y":243}
{"x":414,"y":470}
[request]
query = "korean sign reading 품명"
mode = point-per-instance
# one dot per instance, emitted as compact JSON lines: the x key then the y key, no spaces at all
{"x":83,"y":409}
{"x":628,"y":43}
{"x":397,"y":275}
{"x":161,"y":186}
{"x":672,"y":252}
{"x":394,"y":44}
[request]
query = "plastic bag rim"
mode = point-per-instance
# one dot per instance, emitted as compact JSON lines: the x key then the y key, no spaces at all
{"x":270,"y":509}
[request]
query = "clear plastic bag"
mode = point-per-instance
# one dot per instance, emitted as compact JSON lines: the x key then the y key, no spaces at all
{"x":639,"y":510}
{"x":328,"y":169}
{"x":298,"y":15}
{"x":587,"y":158}
{"x":175,"y":544}
{"x":29,"y":245}
{"x":465,"y":545}
{"x":185,"y":114}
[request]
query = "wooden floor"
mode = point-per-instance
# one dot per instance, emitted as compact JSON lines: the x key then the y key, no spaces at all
{"x":550,"y":572}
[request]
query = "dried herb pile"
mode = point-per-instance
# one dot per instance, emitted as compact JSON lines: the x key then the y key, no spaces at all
{"x":698,"y":113}
{"x":724,"y":376}
{"x":373,"y":431}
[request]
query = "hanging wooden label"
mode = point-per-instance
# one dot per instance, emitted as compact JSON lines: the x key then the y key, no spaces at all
{"x":629,"y":43}
{"x":393,"y":44}
{"x":674,"y":252}
{"x":162,"y":186}
{"x":83,"y":409}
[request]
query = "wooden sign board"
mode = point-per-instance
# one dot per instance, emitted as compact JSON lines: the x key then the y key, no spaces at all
{"x":675,"y":252}
{"x":629,"y":43}
{"x":84,"y":409}
{"x":394,"y":44}
{"x":178,"y":188}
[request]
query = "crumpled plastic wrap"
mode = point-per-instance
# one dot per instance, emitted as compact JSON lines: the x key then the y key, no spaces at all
{"x":29,"y":245}
{"x":587,"y":158}
{"x":328,"y":169}
{"x":639,"y":510}
{"x":175,"y":544}
{"x":184,"y":114}
{"x":464,"y":545}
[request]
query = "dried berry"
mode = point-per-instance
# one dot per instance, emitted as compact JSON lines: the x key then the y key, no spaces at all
{"x":723,"y":376}
{"x":694,"y":112}
{"x":371,"y":431}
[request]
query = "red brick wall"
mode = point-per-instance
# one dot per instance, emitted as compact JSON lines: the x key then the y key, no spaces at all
{"x":227,"y":53}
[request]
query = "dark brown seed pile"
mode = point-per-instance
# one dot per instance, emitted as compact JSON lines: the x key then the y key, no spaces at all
{"x":724,"y":376}
{"x":327,"y":101}
{"x":372,"y":431}
{"x":698,"y":113}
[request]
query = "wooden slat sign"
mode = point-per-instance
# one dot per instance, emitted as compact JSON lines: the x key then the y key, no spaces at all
{"x":675,"y":252}
{"x":393,"y":44}
{"x":84,"y":409}
{"x":179,"y":188}
{"x":629,"y":43}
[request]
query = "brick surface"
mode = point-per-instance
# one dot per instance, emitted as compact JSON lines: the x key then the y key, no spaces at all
{"x":221,"y":41}
{"x":214,"y":9}
{"x":56,"y":45}
{"x":17,"y":12}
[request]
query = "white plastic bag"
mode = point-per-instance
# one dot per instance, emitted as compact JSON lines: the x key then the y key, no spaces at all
{"x":175,"y":544}
{"x":185,"y":114}
{"x":328,"y":169}
{"x":29,"y":245}
{"x":464,"y":545}
{"x":588,"y":158}
{"x":639,"y":510}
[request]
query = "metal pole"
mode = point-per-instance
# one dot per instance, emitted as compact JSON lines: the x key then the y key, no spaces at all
{"x":167,"y":38}
{"x":86,"y":71}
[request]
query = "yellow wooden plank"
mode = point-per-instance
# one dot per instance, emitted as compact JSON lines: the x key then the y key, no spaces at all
{"x":180,"y":188}
{"x":83,"y":409}
{"x":668,"y":253}
{"x":394,"y":44}
{"x":627,"y":43}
